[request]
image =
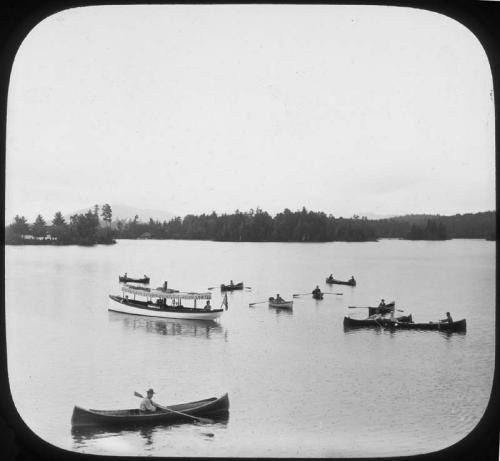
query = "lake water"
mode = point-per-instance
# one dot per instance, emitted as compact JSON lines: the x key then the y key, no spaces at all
{"x":299,"y":384}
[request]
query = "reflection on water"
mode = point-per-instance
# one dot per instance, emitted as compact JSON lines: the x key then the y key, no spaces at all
{"x":377,"y":330}
{"x":83,"y":435}
{"x":173,"y":327}
{"x":280,"y":311}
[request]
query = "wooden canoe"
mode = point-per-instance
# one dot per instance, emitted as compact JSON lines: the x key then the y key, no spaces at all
{"x":280,"y":304}
{"x":370,"y":322}
{"x":237,"y":286}
{"x":124,"y":279}
{"x":87,"y":417}
{"x":460,"y":325}
{"x":330,"y":281}
{"x":389,"y":307}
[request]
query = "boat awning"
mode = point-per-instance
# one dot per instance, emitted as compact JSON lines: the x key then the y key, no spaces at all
{"x":161,"y":294}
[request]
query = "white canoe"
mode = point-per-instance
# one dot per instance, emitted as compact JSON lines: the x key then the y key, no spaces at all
{"x":281,"y":305}
{"x":118,"y":304}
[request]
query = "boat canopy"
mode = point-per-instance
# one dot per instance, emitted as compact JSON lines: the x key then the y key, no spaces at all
{"x":162,"y":294}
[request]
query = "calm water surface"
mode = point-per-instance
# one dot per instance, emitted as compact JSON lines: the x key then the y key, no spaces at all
{"x":298,"y":383}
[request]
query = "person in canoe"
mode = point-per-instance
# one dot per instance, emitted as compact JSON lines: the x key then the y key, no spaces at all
{"x":382,"y":303}
{"x":147,"y":402}
{"x":279,"y":299}
{"x":352,"y":279}
{"x":330,"y":278}
{"x":316,"y":291}
{"x":448,"y":319}
{"x":231,"y":284}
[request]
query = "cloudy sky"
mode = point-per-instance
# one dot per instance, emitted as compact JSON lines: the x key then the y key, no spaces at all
{"x":189,"y":109}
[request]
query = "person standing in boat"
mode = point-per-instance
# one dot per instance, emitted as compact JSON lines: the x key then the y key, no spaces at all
{"x":448,"y":319}
{"x":147,"y":402}
{"x":231,"y":284}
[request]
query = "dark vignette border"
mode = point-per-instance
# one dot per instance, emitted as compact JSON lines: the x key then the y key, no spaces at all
{"x":17,"y":18}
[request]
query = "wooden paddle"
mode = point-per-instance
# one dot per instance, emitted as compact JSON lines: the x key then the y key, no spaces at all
{"x":370,"y":307}
{"x":259,"y":302}
{"x":323,"y":292}
{"x":202,"y":420}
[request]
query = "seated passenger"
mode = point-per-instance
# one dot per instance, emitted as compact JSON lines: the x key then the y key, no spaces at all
{"x":147,"y":402}
{"x":316,"y":291}
{"x":278,"y":299}
{"x":207,"y":306}
{"x":448,"y":319}
{"x":382,"y":303}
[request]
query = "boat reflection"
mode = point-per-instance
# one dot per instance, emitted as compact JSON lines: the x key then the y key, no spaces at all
{"x":172,"y":327}
{"x":81,"y":435}
{"x":280,"y":311}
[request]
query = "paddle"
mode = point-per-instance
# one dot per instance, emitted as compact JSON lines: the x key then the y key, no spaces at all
{"x":202,"y":420}
{"x":370,"y":307}
{"x":259,"y":302}
{"x":324,"y":292}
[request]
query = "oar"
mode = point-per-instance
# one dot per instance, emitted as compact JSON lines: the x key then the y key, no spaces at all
{"x":324,"y":292}
{"x":202,"y":420}
{"x":370,"y":307}
{"x":259,"y":302}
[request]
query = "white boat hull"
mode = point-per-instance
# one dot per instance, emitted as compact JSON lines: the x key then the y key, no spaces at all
{"x":283,"y":305}
{"x":198,"y":314}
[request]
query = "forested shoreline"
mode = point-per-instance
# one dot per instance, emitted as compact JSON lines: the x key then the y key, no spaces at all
{"x":252,"y":226}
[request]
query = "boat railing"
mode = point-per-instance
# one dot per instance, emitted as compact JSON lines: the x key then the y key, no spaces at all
{"x":161,"y":294}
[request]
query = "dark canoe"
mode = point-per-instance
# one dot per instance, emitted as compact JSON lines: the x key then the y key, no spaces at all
{"x":351,"y":283}
{"x":381,"y":322}
{"x":124,"y":279}
{"x":389,"y":307}
{"x":204,"y":408}
{"x":460,"y":325}
{"x":237,"y":286}
{"x":317,"y":295}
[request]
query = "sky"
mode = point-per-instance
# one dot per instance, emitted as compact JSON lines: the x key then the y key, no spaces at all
{"x":200,"y":108}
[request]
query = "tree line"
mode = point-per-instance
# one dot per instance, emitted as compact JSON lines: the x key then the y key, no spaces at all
{"x":252,"y":226}
{"x":82,"y":229}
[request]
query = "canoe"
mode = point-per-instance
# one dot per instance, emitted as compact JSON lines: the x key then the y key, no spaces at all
{"x":149,"y":309}
{"x":281,"y":304}
{"x":351,"y":283}
{"x":87,"y":417}
{"x":237,"y":286}
{"x":389,"y":307}
{"x":124,"y":279}
{"x":317,"y":296}
{"x":460,"y":325}
{"x":381,"y":322}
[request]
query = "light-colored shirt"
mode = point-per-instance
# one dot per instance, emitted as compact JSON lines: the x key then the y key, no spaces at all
{"x":146,"y":405}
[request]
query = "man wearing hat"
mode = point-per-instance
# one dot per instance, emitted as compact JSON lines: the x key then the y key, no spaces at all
{"x":147,"y":402}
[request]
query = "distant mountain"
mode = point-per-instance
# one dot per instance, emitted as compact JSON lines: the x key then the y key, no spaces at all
{"x":124,"y":212}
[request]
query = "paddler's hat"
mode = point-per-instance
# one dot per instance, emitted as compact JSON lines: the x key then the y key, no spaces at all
{"x":150,"y":391}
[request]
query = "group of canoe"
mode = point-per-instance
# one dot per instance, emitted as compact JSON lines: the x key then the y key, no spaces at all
{"x":404,"y":322}
{"x":156,"y":305}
